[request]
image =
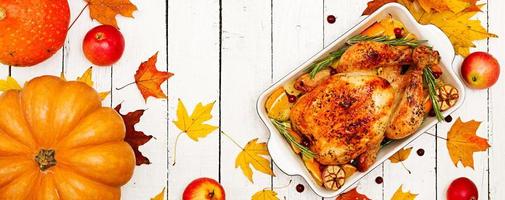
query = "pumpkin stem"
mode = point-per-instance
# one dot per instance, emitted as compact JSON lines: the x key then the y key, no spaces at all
{"x":3,"y":13}
{"x":45,"y":159}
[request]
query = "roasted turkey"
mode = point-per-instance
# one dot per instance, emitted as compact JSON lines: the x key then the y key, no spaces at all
{"x":376,"y":92}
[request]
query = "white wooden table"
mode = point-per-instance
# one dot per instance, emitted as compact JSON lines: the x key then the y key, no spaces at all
{"x":229,"y":51}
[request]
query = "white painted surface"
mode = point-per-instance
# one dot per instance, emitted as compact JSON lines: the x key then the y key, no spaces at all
{"x":260,"y":42}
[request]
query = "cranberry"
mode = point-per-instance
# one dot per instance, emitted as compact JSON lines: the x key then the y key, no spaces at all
{"x":379,"y":180}
{"x":448,"y":118}
{"x":420,"y":152}
{"x":291,"y":98}
{"x":398,"y":32}
{"x":333,"y":71}
{"x":300,"y":188}
{"x":305,"y":142}
{"x":331,"y":19}
{"x":432,"y":113}
{"x":437,"y":74}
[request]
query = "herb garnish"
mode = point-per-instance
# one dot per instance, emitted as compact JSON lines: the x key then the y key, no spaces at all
{"x":283,"y":127}
{"x":429,"y":80}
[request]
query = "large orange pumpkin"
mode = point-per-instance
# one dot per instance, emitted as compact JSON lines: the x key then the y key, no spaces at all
{"x":58,"y":142}
{"x":31,"y":30}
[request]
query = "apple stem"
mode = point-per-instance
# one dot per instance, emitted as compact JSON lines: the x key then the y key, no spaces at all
{"x":175,"y":147}
{"x":79,"y":15}
{"x":211,"y":194}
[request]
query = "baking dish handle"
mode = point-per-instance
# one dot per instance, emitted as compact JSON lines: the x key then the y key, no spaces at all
{"x":444,"y":45}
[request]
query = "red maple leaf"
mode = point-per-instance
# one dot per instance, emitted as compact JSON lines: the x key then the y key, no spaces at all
{"x":133,"y":137}
{"x":352,"y":195}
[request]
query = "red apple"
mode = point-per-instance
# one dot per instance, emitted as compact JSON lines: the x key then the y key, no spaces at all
{"x":480,"y":70}
{"x":204,"y":189}
{"x":103,"y":45}
{"x":462,"y":189}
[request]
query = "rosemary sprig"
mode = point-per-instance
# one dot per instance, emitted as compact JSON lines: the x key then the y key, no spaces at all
{"x":321,"y":64}
{"x":431,"y":83}
{"x":411,"y":42}
{"x":283,"y":127}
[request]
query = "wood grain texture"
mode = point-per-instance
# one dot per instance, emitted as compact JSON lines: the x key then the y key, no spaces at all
{"x":194,"y":58}
{"x":144,"y":36}
{"x":245,"y":64}
{"x":496,"y":127}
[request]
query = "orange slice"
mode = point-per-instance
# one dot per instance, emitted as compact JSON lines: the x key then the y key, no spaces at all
{"x":375,"y":29}
{"x":278,"y":106}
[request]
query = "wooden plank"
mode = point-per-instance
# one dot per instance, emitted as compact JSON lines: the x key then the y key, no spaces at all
{"x":245,"y":73}
{"x":496,"y":105}
{"x":193,"y":35}
{"x":144,"y":36}
{"x":475,"y":107}
{"x":74,"y":62}
{"x":347,"y":15}
{"x":417,"y":172}
{"x":297,"y":35}
{"x":4,"y":71}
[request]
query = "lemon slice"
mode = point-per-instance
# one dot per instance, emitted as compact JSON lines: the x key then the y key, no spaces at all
{"x":290,"y":88}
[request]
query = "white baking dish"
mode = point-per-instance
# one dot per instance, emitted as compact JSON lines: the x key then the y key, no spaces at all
{"x":280,"y":150}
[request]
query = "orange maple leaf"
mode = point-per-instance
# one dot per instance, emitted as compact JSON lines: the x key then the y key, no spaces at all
{"x":401,"y":155}
{"x":105,"y":11}
{"x":133,"y":137}
{"x":462,"y":142}
{"x":373,"y":5}
{"x":352,"y":195}
{"x":148,"y":79}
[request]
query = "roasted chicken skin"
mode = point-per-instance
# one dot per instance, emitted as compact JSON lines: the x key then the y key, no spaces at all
{"x":332,"y":104}
{"x":371,"y":55}
{"x":342,"y":116}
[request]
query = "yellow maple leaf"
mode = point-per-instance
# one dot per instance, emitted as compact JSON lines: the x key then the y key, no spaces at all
{"x":105,"y":11}
{"x":194,"y":125}
{"x":253,"y":154}
{"x":160,"y":196}
{"x":265,"y":195}
{"x":401,"y":155}
{"x":457,"y":5}
{"x":458,"y":26}
{"x":462,"y":142}
{"x":400,"y":195}
{"x":9,"y":84}
{"x":87,"y":78}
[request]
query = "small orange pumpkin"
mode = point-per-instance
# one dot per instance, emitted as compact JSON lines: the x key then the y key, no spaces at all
{"x":31,"y":31}
{"x":58,"y":142}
